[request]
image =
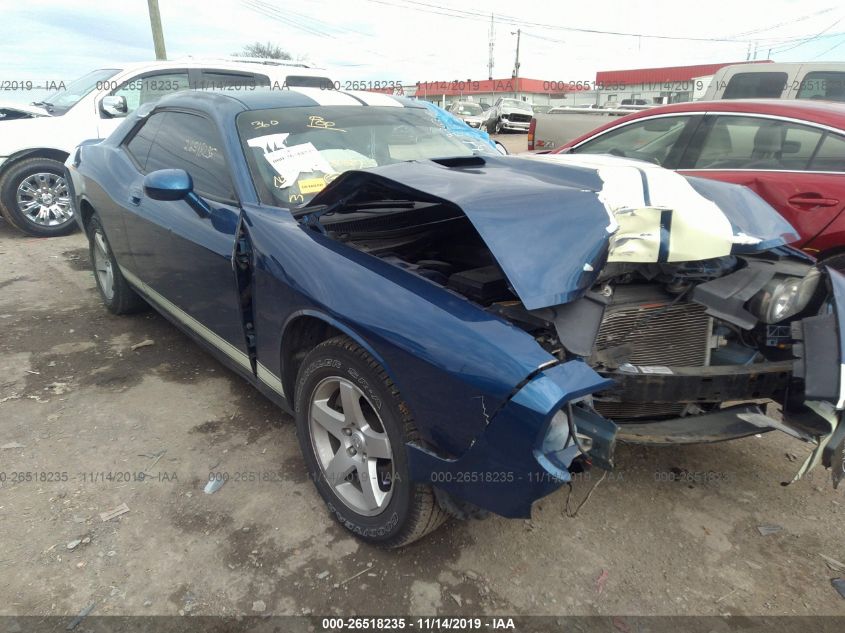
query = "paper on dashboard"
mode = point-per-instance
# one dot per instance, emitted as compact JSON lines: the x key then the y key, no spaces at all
{"x":289,"y":162}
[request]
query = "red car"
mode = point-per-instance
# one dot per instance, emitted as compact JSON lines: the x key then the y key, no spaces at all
{"x":792,"y":153}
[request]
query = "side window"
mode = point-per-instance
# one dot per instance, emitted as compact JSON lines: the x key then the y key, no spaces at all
{"x":826,"y":85}
{"x":191,"y":142}
{"x":740,"y":142}
{"x":831,"y":154}
{"x":225,"y":80}
{"x":755,"y":86}
{"x":650,"y":139}
{"x":139,"y":145}
{"x":149,"y":88}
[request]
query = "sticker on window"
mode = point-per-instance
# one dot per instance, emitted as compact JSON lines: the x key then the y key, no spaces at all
{"x":290,"y":162}
{"x":269,"y":142}
{"x":311,"y":185}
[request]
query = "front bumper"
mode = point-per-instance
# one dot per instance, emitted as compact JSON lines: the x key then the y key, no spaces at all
{"x":515,"y":126}
{"x":519,"y":459}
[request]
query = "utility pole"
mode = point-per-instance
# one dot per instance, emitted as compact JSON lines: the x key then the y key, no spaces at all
{"x":516,"y":64}
{"x":490,"y":57}
{"x":155,"y":24}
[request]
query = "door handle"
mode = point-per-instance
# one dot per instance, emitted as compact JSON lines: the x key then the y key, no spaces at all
{"x":135,"y":194}
{"x":812,"y":199}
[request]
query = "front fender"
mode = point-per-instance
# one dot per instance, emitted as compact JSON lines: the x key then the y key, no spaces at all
{"x":512,"y":463}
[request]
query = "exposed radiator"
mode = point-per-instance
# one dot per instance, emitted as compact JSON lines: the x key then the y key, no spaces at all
{"x":654,"y":333}
{"x":657,"y":333}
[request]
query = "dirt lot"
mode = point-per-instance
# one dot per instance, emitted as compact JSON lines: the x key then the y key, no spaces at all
{"x":83,"y":405}
{"x":513,"y":141}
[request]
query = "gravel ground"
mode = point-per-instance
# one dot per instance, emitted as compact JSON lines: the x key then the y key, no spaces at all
{"x":83,"y":413}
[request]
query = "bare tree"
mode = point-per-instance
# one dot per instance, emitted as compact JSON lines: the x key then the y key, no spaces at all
{"x":267,"y":51}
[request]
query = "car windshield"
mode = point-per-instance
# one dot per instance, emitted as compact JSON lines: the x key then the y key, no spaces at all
{"x":293,"y":153}
{"x":515,"y":103}
{"x":468,"y":109}
{"x":62,"y":101}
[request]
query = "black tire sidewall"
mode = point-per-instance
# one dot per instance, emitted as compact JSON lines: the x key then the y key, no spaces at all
{"x":336,"y":360}
{"x":8,"y":190}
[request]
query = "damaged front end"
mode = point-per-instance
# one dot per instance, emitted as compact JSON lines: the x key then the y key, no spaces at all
{"x":672,"y":308}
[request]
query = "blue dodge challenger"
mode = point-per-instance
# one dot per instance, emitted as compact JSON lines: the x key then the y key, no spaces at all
{"x":457,"y":331}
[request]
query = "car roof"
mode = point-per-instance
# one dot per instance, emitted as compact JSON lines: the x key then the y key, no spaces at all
{"x":829,"y":113}
{"x":268,"y":66}
{"x":818,"y":111}
{"x":224,"y":106}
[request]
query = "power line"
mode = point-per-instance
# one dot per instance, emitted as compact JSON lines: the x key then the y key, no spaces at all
{"x":511,"y":20}
{"x":837,"y":45}
{"x":809,"y":39}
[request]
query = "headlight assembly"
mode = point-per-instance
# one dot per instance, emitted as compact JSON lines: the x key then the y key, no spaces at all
{"x":784,"y":297}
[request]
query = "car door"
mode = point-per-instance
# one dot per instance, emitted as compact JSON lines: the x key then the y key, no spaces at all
{"x":775,"y":157}
{"x":140,"y":89}
{"x":184,"y":254}
{"x":660,"y":139}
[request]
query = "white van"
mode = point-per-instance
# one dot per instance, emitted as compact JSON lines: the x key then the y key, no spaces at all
{"x":800,"y":80}
{"x":36,"y":139}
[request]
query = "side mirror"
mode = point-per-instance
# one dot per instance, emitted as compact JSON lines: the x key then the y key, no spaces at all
{"x":168,"y":184}
{"x":501,"y":148}
{"x":175,"y":184}
{"x":114,"y":105}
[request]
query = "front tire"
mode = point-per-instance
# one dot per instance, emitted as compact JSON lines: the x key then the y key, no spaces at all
{"x":116,"y":293}
{"x":34,"y":197}
{"x":352,"y":426}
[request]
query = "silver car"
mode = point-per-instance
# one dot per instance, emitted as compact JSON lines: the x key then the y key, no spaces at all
{"x":469,"y":112}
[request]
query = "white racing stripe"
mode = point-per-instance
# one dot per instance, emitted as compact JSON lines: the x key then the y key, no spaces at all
{"x":376,"y":99}
{"x":327,"y":97}
{"x":215,"y":340}
{"x":699,"y":228}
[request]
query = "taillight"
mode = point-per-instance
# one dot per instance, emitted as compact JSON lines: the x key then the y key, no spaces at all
{"x":531,"y":127}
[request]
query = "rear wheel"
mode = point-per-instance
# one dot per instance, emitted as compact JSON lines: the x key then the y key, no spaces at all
{"x":116,"y":293}
{"x":34,"y":197}
{"x":352,"y":427}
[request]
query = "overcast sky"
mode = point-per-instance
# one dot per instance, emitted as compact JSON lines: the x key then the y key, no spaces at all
{"x":411,"y":40}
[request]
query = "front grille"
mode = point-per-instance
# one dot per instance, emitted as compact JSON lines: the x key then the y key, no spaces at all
{"x":657,"y":333}
{"x":625,"y":410}
{"x":519,"y":118}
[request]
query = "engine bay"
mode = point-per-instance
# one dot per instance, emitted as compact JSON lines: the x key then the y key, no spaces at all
{"x":678,"y":338}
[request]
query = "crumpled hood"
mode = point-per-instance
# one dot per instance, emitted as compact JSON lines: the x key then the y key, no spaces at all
{"x":553,"y":221}
{"x":12,"y":111}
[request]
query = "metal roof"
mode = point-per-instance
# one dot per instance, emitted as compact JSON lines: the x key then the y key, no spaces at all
{"x":659,"y":75}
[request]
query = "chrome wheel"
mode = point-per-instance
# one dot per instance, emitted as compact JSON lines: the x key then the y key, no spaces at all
{"x":103,"y":266}
{"x":43,"y":199}
{"x":351,"y":446}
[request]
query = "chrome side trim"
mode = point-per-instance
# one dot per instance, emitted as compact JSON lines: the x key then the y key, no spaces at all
{"x":270,"y":379}
{"x":190,"y":322}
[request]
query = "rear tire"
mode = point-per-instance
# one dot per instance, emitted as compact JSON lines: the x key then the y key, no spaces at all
{"x":34,"y":197}
{"x":117,"y":295}
{"x":347,"y":407}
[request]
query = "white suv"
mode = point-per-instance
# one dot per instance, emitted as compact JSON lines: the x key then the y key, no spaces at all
{"x":35,"y":140}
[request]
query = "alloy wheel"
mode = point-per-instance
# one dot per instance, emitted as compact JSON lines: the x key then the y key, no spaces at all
{"x":103,"y":265}
{"x":44,"y":200}
{"x":351,"y":446}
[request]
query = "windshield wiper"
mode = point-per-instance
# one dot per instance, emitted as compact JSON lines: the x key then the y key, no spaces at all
{"x":45,"y":104}
{"x":311,"y":215}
